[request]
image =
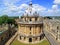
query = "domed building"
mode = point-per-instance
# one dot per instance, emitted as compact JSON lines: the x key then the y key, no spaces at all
{"x":30,"y":26}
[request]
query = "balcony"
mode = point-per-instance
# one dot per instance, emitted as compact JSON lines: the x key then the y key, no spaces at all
{"x":30,"y":35}
{"x":30,"y":22}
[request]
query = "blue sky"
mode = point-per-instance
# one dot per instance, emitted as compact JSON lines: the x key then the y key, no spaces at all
{"x":17,"y":7}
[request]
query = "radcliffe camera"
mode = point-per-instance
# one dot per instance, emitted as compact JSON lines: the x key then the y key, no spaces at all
{"x":29,"y":22}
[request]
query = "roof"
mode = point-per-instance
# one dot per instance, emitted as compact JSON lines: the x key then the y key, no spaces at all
{"x":30,"y":11}
{"x":2,"y":31}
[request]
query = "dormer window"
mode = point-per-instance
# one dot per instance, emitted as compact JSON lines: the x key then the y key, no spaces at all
{"x":25,"y":19}
{"x":30,"y":19}
{"x":30,"y":12}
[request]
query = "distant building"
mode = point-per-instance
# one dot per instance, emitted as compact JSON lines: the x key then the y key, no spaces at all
{"x":30,"y":26}
{"x":53,"y":27}
{"x":6,"y":32}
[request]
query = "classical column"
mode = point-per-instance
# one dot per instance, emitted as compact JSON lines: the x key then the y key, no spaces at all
{"x":32,"y":31}
{"x":33,"y":39}
{"x":22,"y":38}
{"x":38,"y":38}
{"x":40,"y":29}
{"x":25,"y":29}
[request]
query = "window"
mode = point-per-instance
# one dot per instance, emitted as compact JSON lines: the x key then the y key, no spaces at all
{"x":30,"y":12}
{"x":30,"y":39}
{"x":36,"y":38}
{"x":30,"y":32}
{"x":24,"y":38}
{"x":35,"y":19}
{"x":25,"y":19}
{"x":20,"y":37}
{"x":1,"y":38}
{"x":30,"y":28}
{"x":30,"y":19}
{"x":57,"y":27}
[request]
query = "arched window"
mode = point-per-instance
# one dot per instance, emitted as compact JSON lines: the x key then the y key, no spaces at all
{"x":30,"y":28}
{"x":30,"y":32}
{"x":30,"y":39}
{"x":57,"y":27}
{"x":1,"y":38}
{"x":36,"y":38}
{"x":24,"y":38}
{"x":25,"y":19}
{"x":35,"y":19}
{"x":20,"y":37}
{"x":30,"y":19}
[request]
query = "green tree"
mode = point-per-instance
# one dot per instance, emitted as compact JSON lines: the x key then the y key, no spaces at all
{"x":7,"y":20}
{"x":11,"y":21}
{"x":4,"y":18}
{"x":1,"y":21}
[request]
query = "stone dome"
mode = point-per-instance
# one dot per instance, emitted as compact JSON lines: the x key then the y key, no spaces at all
{"x":30,"y":11}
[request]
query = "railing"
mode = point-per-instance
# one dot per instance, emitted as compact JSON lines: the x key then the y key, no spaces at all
{"x":31,"y":22}
{"x":30,"y":35}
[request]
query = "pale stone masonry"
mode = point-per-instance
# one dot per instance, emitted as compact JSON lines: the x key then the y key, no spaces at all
{"x":53,"y":26}
{"x":30,"y":26}
{"x":6,"y":32}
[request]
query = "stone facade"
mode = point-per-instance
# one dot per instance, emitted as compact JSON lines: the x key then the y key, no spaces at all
{"x":6,"y":32}
{"x":30,"y":31}
{"x":30,"y":26}
{"x":53,"y":26}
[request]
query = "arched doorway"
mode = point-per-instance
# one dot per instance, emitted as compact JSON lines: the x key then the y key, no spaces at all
{"x":30,"y":39}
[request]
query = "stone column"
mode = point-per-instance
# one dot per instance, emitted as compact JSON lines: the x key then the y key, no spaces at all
{"x":22,"y":38}
{"x":32,"y":30}
{"x":41,"y":29}
{"x":38,"y":38}
{"x":32,"y":40}
{"x":25,"y":30}
{"x":27,"y":39}
{"x":38,"y":30}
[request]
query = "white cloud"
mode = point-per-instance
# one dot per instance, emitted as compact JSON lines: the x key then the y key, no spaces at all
{"x":10,"y":6}
{"x":22,"y":6}
{"x":39,"y":7}
{"x":54,"y":11}
{"x":54,"y":6}
{"x":57,"y":1}
{"x":19,"y":10}
{"x":12,"y":9}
